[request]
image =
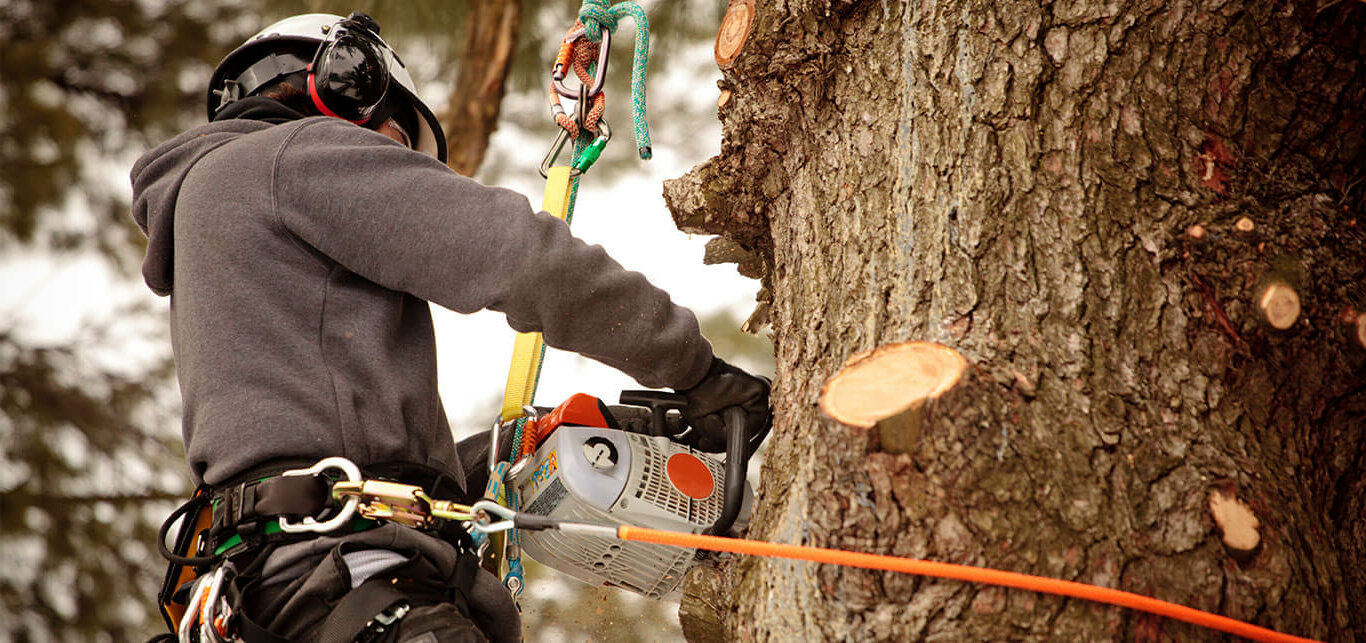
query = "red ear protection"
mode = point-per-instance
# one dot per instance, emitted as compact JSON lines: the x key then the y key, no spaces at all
{"x":349,"y":75}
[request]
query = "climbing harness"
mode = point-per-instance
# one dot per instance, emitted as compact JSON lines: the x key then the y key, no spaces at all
{"x":226,"y":535}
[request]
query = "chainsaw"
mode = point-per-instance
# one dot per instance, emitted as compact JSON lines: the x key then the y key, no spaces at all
{"x":622,"y":468}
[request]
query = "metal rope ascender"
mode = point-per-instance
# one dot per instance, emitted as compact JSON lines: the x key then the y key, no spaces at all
{"x":585,"y":48}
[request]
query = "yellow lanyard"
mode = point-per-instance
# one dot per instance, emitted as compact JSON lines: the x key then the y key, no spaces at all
{"x":526,"y":352}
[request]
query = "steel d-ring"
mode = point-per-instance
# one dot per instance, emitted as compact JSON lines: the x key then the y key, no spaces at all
{"x":348,"y":510}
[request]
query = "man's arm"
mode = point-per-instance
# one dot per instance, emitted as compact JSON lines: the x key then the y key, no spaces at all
{"x":408,"y":223}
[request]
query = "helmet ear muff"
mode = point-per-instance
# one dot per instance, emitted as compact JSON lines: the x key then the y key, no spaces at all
{"x":349,"y":75}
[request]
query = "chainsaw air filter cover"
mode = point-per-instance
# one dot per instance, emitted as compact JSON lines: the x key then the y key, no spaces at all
{"x":615,"y":477}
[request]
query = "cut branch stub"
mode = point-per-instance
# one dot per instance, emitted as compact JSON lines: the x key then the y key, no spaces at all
{"x":1236,"y":523}
{"x":889,"y":388}
{"x":1360,"y":327}
{"x":1279,"y":305}
{"x":734,"y":31}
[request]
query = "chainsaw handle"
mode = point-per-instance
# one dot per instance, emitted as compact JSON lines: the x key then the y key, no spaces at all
{"x":737,"y":447}
{"x":737,"y":462}
{"x":659,"y":403}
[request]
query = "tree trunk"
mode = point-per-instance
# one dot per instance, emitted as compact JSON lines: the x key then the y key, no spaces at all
{"x":485,"y":57}
{"x":1017,"y":181}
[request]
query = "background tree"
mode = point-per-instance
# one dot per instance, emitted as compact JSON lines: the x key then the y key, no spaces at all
{"x":1058,"y":190}
{"x":89,"y":453}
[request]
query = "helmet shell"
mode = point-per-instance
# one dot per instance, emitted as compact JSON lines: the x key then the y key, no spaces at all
{"x":302,"y":34}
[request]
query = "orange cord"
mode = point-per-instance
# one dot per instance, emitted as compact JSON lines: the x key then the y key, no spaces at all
{"x":959,"y":572}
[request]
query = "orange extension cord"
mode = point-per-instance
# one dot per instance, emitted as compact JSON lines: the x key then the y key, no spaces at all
{"x":959,"y":572}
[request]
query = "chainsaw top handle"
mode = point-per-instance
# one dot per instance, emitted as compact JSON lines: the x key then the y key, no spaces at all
{"x":737,"y":446}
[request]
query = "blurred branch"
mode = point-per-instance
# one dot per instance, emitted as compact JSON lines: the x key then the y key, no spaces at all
{"x":49,"y":500}
{"x":485,"y":58}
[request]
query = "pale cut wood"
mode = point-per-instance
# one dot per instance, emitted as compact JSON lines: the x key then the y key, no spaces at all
{"x":1244,"y":224}
{"x":734,"y":31}
{"x":888,"y":388}
{"x":1361,"y":330}
{"x":1236,"y":523}
{"x":1280,"y":305}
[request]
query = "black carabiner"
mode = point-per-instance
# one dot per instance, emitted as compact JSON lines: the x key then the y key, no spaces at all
{"x":558,"y":74}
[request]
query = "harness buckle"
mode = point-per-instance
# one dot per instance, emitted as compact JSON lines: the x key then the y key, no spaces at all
{"x":348,"y":510}
{"x":405,"y":504}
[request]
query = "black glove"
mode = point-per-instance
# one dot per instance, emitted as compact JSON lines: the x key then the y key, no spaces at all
{"x":722,"y":387}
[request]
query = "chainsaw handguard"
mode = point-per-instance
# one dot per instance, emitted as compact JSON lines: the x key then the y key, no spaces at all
{"x":737,"y":462}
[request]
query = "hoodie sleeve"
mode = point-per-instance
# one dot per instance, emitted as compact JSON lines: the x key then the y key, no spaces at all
{"x":408,"y":223}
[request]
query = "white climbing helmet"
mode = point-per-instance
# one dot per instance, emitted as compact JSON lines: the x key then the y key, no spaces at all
{"x":292,"y":45}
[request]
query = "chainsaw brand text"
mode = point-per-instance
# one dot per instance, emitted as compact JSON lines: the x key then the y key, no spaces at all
{"x":543,"y":473}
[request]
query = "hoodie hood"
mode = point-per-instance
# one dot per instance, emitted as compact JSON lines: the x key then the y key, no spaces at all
{"x":157,"y":177}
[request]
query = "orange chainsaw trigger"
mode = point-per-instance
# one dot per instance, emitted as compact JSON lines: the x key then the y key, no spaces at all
{"x":580,"y":409}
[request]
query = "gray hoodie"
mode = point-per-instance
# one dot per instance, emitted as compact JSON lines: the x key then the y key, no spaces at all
{"x":300,"y":258}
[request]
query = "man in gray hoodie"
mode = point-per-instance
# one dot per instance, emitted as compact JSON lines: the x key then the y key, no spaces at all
{"x":300,"y":252}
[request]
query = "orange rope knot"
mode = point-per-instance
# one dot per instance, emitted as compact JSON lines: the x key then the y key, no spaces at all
{"x":579,"y":52}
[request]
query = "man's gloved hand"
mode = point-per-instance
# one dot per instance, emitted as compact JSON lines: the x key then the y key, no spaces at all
{"x":722,"y":387}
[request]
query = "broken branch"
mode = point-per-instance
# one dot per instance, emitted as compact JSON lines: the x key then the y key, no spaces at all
{"x":1279,"y":304}
{"x":1236,"y":523}
{"x":889,"y":389}
{"x":734,"y":31}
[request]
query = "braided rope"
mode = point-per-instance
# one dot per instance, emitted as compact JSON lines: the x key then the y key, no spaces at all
{"x":583,"y":58}
{"x":599,"y":14}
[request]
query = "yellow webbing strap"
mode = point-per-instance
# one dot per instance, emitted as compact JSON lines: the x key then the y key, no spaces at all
{"x":526,"y":352}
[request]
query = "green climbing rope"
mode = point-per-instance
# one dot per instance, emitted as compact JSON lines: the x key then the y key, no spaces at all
{"x":599,"y":14}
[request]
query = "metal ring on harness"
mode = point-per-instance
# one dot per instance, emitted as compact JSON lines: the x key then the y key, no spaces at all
{"x":213,"y":586}
{"x":208,"y":630}
{"x":348,"y":510}
{"x":484,"y":513}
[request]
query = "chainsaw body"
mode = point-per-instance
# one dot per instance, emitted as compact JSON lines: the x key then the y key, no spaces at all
{"x":612,"y":476}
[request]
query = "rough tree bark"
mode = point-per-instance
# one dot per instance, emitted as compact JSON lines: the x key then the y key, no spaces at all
{"x":1055,"y":189}
{"x":485,"y":57}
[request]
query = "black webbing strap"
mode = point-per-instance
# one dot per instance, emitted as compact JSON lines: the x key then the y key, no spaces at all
{"x":244,"y":508}
{"x":415,"y":582}
{"x":250,"y":632}
{"x":466,"y":567}
{"x":270,"y":69}
{"x":358,"y":608}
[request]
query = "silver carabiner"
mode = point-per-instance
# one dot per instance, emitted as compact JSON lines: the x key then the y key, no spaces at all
{"x":485,"y":510}
{"x":558,"y":75}
{"x":187,"y":619}
{"x":554,"y":153}
{"x":208,"y":630}
{"x":213,"y":586}
{"x":493,"y":441}
{"x":348,"y":510}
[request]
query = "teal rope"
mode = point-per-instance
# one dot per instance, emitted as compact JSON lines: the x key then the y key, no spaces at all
{"x":596,"y":15}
